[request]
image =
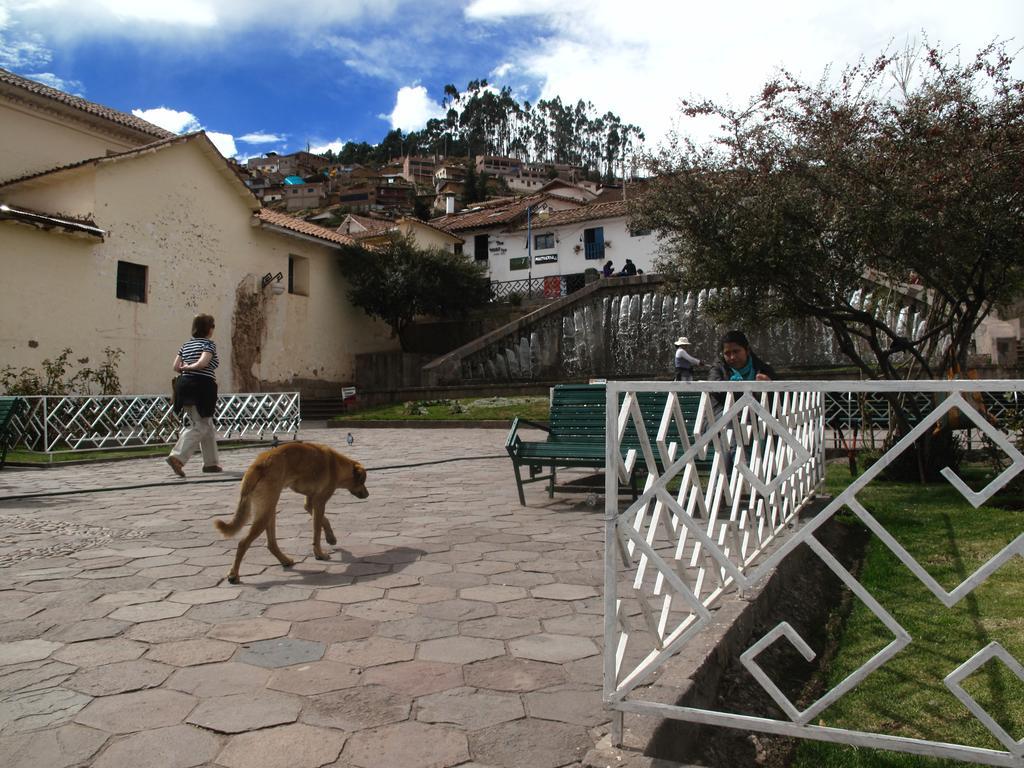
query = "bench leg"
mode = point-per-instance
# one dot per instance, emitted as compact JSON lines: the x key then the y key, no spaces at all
{"x":551,"y":483}
{"x":519,"y":484}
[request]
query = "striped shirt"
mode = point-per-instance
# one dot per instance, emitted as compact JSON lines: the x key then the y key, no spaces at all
{"x":191,"y":351}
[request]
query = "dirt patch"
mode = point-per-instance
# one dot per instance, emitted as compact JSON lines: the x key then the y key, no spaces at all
{"x":815,"y":603}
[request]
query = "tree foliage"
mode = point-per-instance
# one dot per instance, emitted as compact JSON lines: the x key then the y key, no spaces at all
{"x":486,"y":120}
{"x":397,"y":282}
{"x":904,"y":173}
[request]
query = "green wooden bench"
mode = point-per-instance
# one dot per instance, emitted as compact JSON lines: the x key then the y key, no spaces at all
{"x":10,"y":407}
{"x":576,"y":433}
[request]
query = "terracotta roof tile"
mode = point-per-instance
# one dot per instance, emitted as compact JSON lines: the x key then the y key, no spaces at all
{"x":484,"y":215}
{"x":293,"y":224}
{"x":583,"y":213}
{"x":77,"y":102}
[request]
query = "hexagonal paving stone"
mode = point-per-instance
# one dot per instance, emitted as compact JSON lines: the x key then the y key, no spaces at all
{"x":353,"y":709}
{"x":167,"y":630}
{"x":249,"y":630}
{"x":148,"y":612}
{"x":381,"y":610}
{"x":460,"y":650}
{"x":120,"y":677}
{"x":139,"y":711}
{"x":179,"y":746}
{"x":312,"y":679}
{"x":407,"y":745}
{"x":288,"y":746}
{"x":93,"y":653}
{"x":485,"y":567}
{"x":204,"y":596}
{"x":371,"y":652}
{"x":563,"y":592}
{"x":219,"y":679}
{"x":187,"y":653}
{"x":225,"y":611}
{"x":534,"y":608}
{"x":69,"y":745}
{"x":418,"y":628}
{"x":458,"y":610}
{"x":505,"y":674}
{"x":421,"y":594}
{"x":303,"y":610}
{"x":241,"y":712}
{"x":581,"y":625}
{"x":493,"y":594}
{"x":22,"y":651}
{"x":579,"y":706}
{"x":356,"y":593}
{"x":34,"y":677}
{"x":134,"y":596}
{"x":500,"y":627}
{"x":529,"y":742}
{"x":90,"y":629}
{"x":555,"y":648}
{"x":280,"y":652}
{"x":334,"y":629}
{"x":275,"y":594}
{"x":416,"y":678}
{"x":469,"y":708}
{"x":31,"y":710}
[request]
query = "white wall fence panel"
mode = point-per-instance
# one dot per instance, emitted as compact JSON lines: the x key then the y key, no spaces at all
{"x":53,"y":424}
{"x":720,"y":510}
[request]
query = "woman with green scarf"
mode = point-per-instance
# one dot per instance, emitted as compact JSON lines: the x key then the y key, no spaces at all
{"x":738,"y":363}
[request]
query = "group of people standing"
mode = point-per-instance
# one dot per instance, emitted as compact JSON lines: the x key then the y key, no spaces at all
{"x":628,"y":270}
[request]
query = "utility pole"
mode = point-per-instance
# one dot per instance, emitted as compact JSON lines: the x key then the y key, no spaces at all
{"x":529,"y":251}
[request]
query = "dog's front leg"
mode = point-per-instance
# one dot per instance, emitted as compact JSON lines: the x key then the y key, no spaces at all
{"x":318,"y":525}
{"x":328,"y":531}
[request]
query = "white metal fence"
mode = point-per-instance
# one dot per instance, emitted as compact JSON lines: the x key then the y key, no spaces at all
{"x":53,"y":424}
{"x":719,"y":512}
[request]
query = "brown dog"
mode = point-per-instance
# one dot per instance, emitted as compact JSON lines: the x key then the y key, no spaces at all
{"x":315,"y":471}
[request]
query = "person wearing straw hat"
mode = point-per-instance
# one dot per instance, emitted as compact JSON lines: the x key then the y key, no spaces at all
{"x":684,"y":360}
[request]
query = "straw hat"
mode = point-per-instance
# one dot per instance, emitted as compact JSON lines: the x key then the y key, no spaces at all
{"x":682,"y":341}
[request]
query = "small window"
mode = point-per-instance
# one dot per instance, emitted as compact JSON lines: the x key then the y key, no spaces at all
{"x":480,"y":243}
{"x":638,"y":232}
{"x":298,"y":275}
{"x":544,"y":242}
{"x":457,"y":249}
{"x":131,"y":281}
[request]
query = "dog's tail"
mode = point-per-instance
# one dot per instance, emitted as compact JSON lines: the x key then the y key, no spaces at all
{"x":252,"y":477}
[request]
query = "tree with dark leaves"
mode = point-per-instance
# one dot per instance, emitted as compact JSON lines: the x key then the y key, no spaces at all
{"x":398,"y":282}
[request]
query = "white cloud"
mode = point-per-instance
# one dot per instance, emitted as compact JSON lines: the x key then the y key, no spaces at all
{"x":224,"y":142}
{"x":335,"y":146}
{"x":258,"y":137}
{"x":48,"y":78}
{"x":639,"y":63}
{"x":413,"y":107}
{"x":502,"y":71}
{"x":169,"y":119}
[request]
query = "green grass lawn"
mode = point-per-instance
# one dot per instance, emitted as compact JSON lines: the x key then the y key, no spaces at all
{"x":906,"y":697}
{"x":491,"y":408}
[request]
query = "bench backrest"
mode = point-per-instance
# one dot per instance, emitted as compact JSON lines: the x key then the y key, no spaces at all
{"x":9,"y":408}
{"x":578,"y":413}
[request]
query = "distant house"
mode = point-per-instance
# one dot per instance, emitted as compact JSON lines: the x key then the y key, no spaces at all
{"x":418,"y":170}
{"x":300,"y":195}
{"x":559,"y":237}
{"x":371,"y":231}
{"x":115,"y":246}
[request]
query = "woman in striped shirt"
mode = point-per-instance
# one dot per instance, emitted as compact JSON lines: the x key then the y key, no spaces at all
{"x":196,"y":393}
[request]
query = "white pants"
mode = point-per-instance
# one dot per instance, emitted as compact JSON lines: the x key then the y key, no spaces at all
{"x":200,"y":434}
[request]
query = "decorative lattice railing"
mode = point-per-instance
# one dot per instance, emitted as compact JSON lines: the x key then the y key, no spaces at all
{"x":697,"y":533}
{"x":53,"y":424}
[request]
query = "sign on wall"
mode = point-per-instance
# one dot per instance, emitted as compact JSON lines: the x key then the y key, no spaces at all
{"x":519,"y":262}
{"x":547,"y":258}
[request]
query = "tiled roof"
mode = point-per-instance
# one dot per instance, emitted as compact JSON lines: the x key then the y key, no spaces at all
{"x":582,"y":213}
{"x":486,"y":215}
{"x":77,"y":102}
{"x":293,"y":224}
{"x":50,"y":221}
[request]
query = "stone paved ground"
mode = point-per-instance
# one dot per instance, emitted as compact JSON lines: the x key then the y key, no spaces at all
{"x":451,"y":627}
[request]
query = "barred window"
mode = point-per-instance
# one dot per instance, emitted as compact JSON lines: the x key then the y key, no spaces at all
{"x":131,"y":281}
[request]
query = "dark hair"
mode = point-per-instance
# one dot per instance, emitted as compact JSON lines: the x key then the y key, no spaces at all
{"x":201,"y":326}
{"x":735,"y":337}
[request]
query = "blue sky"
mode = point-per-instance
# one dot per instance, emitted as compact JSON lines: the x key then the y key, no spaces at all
{"x":261,"y":75}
